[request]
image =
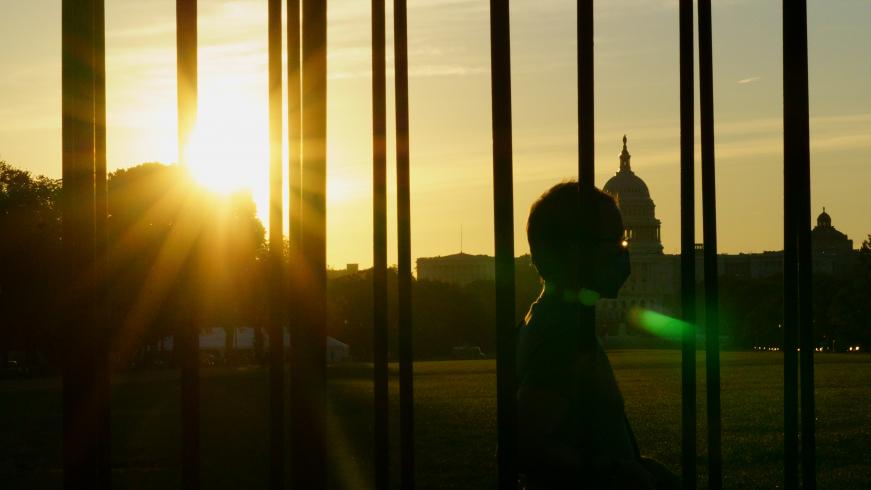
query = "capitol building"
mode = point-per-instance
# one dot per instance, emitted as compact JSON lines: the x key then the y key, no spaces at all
{"x":654,"y":283}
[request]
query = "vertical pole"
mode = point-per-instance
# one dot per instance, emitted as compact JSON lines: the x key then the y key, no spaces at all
{"x":294,"y":126}
{"x":276,"y":254}
{"x":308,"y":348}
{"x":709,"y":232}
{"x":586,"y":95}
{"x":503,"y":220}
{"x":790,"y":320}
{"x":294,"y":183}
{"x":586,"y":149}
{"x":406,"y":355}
{"x":186,"y":49}
{"x":80,"y":453}
{"x":186,"y":68}
{"x":803,"y":230}
{"x":103,"y":364}
{"x":797,"y":249}
{"x":379,"y":246}
{"x":687,"y":252}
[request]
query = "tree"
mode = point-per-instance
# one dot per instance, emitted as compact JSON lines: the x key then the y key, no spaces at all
{"x":29,"y":259}
{"x":177,"y":254}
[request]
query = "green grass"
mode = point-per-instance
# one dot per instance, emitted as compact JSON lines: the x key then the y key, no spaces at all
{"x":455,"y":423}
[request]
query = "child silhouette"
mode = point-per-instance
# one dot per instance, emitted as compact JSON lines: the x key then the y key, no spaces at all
{"x":573,"y":430}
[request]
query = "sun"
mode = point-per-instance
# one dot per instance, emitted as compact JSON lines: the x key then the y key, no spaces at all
{"x":224,"y":159}
{"x":209,"y":164}
{"x":229,"y":147}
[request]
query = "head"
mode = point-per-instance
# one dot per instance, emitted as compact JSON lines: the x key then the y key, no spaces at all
{"x":576,"y":240}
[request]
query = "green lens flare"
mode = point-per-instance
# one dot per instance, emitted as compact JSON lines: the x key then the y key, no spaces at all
{"x":658,"y":323}
{"x":585,"y":296}
{"x":588,"y":297}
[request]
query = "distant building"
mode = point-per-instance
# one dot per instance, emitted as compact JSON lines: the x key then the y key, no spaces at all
{"x":832,"y":250}
{"x":654,"y":282}
{"x":458,"y":268}
{"x":350,"y":269}
{"x":831,"y":254}
{"x":749,"y":266}
{"x":636,"y":207}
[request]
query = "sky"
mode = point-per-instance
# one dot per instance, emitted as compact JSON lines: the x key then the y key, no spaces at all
{"x":636,"y":63}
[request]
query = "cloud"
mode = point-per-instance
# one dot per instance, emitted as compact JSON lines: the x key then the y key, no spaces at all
{"x":745,"y":81}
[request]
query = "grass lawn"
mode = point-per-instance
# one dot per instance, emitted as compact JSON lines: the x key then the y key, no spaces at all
{"x":455,"y":422}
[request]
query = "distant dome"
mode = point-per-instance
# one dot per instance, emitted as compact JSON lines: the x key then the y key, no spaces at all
{"x":636,"y":207}
{"x":827,"y":240}
{"x":824,"y":219}
{"x":625,"y":184}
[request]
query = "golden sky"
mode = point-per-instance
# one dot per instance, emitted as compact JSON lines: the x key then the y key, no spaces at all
{"x":636,"y":94}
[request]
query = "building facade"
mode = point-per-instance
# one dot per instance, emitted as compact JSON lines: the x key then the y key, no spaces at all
{"x":654,"y":282}
{"x":832,"y":250}
{"x":460,"y":268}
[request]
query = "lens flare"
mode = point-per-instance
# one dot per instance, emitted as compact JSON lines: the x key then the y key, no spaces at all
{"x":659,"y":324}
{"x":588,"y":297}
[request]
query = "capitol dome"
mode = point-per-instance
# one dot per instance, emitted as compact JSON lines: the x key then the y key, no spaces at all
{"x":626,"y":184}
{"x":636,"y":206}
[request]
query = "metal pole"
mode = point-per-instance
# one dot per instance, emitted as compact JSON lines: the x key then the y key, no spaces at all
{"x":586,"y":95}
{"x":294,"y":127}
{"x":406,"y":354}
{"x":790,"y":334}
{"x":803,"y":230}
{"x":709,"y":232}
{"x":379,"y":246}
{"x":797,"y":250}
{"x":101,"y":216}
{"x":80,"y":427}
{"x":586,"y":152}
{"x":276,"y":254}
{"x":503,"y":220}
{"x":294,"y":182}
{"x":308,"y":346}
{"x":186,"y":36}
{"x":687,"y":252}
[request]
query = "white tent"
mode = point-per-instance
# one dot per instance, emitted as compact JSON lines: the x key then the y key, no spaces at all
{"x":214,"y":339}
{"x":337,"y":351}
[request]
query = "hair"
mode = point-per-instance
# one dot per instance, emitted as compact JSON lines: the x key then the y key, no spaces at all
{"x":561,"y":221}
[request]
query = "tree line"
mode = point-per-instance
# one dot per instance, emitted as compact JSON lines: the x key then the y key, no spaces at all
{"x":179,"y":253}
{"x":175,"y":251}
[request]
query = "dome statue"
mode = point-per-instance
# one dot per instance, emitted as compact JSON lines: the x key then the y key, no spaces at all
{"x":636,"y":206}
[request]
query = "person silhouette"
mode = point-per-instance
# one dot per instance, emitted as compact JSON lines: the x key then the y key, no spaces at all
{"x":572,"y":427}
